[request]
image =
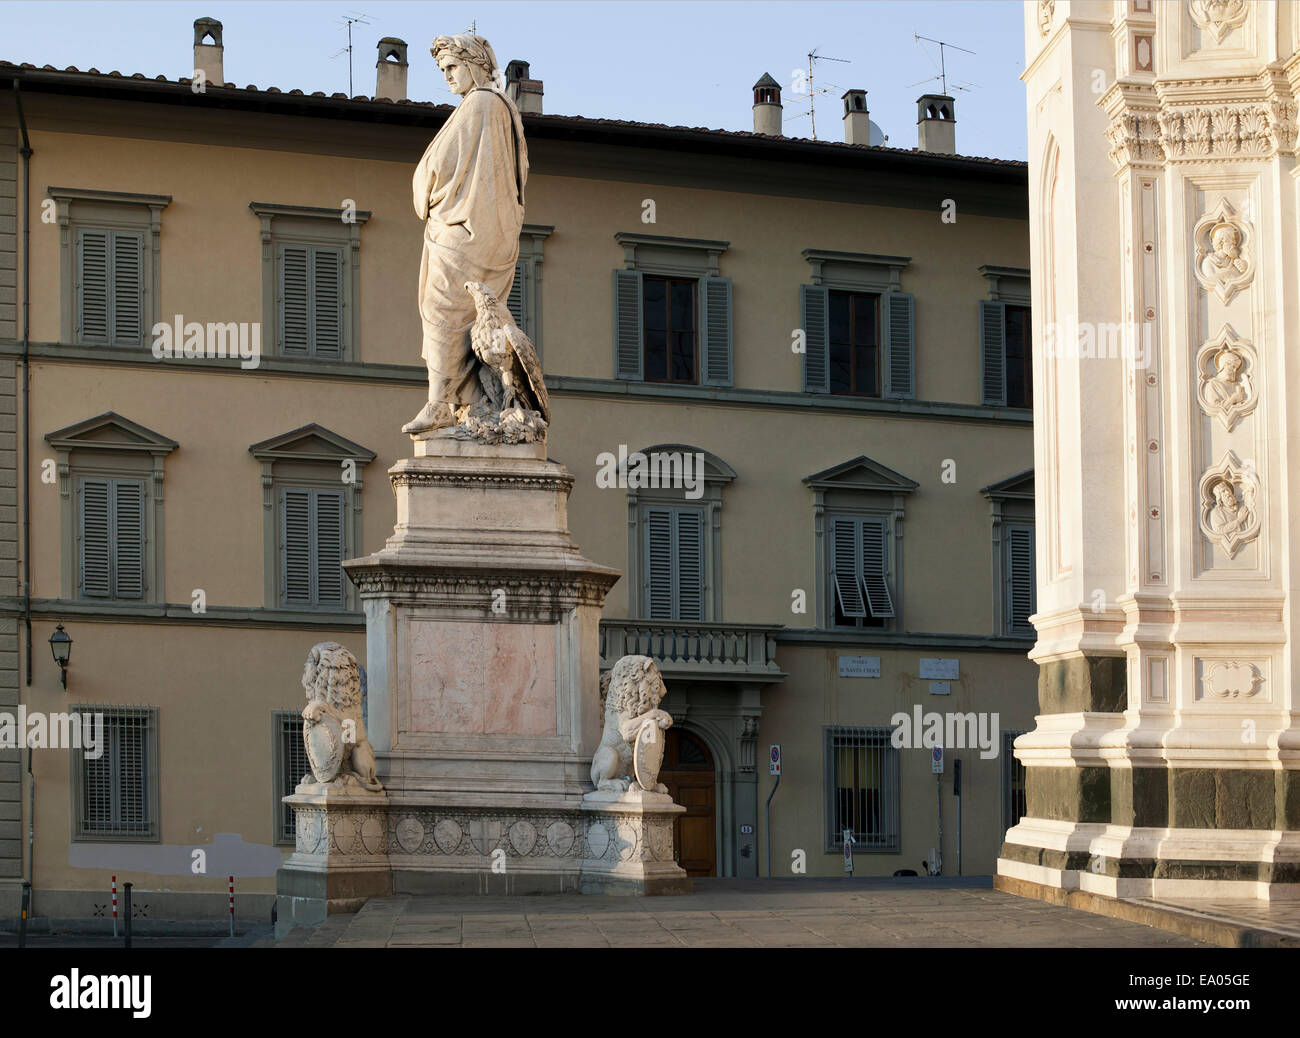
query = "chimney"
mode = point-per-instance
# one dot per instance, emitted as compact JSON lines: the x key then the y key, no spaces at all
{"x":207,"y":56}
{"x":857,"y":121}
{"x":936,"y":124}
{"x":390,"y":69}
{"x":525,"y":92}
{"x":767,"y":106}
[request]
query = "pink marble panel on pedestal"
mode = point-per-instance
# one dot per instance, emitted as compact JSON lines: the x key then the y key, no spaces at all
{"x":470,"y":677}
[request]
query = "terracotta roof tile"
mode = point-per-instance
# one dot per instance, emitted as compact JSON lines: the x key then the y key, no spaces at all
{"x":574,"y":120}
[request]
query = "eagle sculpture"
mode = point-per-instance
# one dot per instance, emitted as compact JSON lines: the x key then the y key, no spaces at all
{"x":511,"y":374}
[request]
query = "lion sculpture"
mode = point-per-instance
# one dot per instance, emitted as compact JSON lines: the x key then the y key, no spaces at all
{"x":630,"y":694}
{"x":334,"y":731}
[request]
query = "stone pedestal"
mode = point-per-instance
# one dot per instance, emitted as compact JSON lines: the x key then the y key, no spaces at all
{"x":483,"y":666}
{"x":630,"y":845}
{"x":341,"y":856}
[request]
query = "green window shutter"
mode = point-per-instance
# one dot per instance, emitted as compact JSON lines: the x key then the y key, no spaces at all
{"x":330,"y":589}
{"x":128,"y":539}
{"x":844,"y":567}
{"x":628,"y":329}
{"x":295,"y":547}
{"x":92,"y":287}
{"x":689,"y":528}
{"x":814,"y":306}
{"x":875,"y":568}
{"x":95,"y":538}
{"x":658,"y":562}
{"x":717,"y":331}
{"x":295,"y":323}
{"x":1021,"y":587}
{"x":900,"y":350}
{"x":327,"y":303}
{"x":516,"y":301}
{"x":993,"y":351}
{"x":128,"y":289}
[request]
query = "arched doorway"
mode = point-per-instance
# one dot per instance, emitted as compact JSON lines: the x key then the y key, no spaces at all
{"x":687,"y":771}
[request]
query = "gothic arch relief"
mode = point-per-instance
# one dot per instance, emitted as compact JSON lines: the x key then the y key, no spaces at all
{"x":1225,"y":366}
{"x":1218,"y":17}
{"x":1229,"y":510}
{"x":1225,"y":252}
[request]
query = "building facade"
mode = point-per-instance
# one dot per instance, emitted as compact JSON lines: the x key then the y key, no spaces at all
{"x":791,"y":378}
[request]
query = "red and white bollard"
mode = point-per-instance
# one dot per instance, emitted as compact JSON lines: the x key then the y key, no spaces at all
{"x":232,"y":906}
{"x":114,"y":906}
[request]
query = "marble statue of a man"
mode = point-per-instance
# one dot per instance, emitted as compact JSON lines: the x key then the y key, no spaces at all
{"x":469,"y":190}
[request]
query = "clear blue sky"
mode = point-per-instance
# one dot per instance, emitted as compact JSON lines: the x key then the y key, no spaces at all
{"x":682,"y":63}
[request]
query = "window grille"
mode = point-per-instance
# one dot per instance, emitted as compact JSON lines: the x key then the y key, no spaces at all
{"x":862,"y":788}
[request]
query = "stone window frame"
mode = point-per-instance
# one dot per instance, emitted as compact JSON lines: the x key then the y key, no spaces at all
{"x":690,"y":259}
{"x":1010,"y":764}
{"x":891,"y":784}
{"x":1011,"y":504}
{"x":1005,"y":286}
{"x":283,"y":724}
{"x":77,"y":209}
{"x":717,"y":474}
{"x":111,"y":446}
{"x":77,"y":764}
{"x":858,"y":489}
{"x":529,"y":265}
{"x":282,"y":224}
{"x":310,"y":457}
{"x":865,"y":273}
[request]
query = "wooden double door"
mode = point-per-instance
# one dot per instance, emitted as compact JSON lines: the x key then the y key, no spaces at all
{"x":688,"y":773}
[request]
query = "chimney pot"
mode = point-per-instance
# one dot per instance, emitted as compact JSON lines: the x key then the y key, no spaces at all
{"x":857,"y":120}
{"x":936,"y":124}
{"x":208,"y":56}
{"x":522,"y":89}
{"x":767,"y":106}
{"x":390,"y":69}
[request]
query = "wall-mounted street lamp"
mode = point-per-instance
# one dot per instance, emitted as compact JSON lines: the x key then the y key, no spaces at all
{"x":61,"y":648}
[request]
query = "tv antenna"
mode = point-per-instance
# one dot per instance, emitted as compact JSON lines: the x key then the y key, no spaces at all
{"x":943,"y":67}
{"x":812,"y":93}
{"x":350,"y":19}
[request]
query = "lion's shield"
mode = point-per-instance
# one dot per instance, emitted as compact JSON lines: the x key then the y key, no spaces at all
{"x":648,"y":754}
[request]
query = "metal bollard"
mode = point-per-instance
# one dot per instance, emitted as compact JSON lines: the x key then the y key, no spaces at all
{"x":22,"y":918}
{"x":126,"y":909}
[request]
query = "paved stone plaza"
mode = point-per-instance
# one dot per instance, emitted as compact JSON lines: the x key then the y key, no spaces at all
{"x":888,"y":913}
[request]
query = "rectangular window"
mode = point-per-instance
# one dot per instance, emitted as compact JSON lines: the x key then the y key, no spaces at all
{"x":312,"y":549}
{"x":116,"y":793}
{"x":859,"y":562}
{"x":311,"y":301}
{"x":111,"y":538}
{"x":1021,"y":595}
{"x":1006,"y":349}
{"x":668,"y":312}
{"x":1013,"y":783}
{"x":291,"y":767}
{"x":110,"y":287}
{"x":674,"y":563}
{"x":853,"y":325}
{"x":862,"y":788}
{"x":1020,"y":382}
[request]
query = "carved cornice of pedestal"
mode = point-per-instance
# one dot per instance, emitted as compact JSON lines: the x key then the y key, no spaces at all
{"x":530,"y":596}
{"x":1066,"y":633}
{"x":1202,"y":120}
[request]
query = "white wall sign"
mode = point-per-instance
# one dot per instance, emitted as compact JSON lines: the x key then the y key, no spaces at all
{"x":940,"y":688}
{"x":859,"y":666}
{"x":938,"y":669}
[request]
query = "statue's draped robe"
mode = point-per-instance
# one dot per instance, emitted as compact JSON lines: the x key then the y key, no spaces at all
{"x":469,"y":190}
